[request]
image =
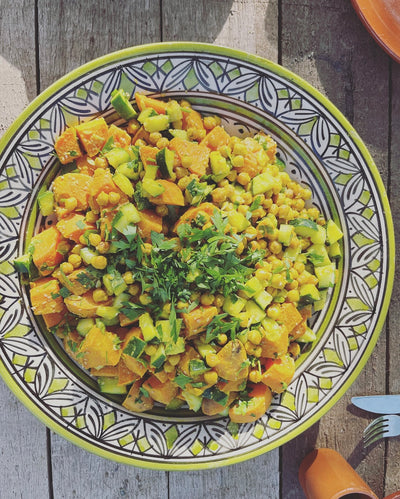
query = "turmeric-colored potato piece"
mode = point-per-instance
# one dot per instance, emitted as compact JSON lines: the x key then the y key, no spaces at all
{"x":232,"y":361}
{"x":172,"y":194}
{"x":73,"y":226}
{"x":279,"y":373}
{"x":99,"y":349}
{"x":73,"y":185}
{"x":107,"y":371}
{"x":149,"y":222}
{"x":45,"y":297}
{"x":211,"y":407}
{"x":136,"y":400}
{"x":160,"y":392}
{"x":138,"y":368}
{"x":77,"y":282}
{"x":120,"y":137}
{"x":196,"y":156}
{"x":190,"y":354}
{"x":248,"y":411}
{"x":67,"y":146}
{"x":54,"y":318}
{"x":93,"y":135}
{"x":46,"y":254}
{"x":198,"y":319}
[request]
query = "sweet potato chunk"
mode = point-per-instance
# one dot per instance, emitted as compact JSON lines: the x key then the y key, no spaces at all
{"x":45,"y":297}
{"x":67,"y":146}
{"x":172,"y":194}
{"x":149,"y":222}
{"x":198,"y":319}
{"x":196,"y":155}
{"x":144,"y":102}
{"x":120,"y":137}
{"x":279,"y":373}
{"x":73,"y":185}
{"x":160,"y":392}
{"x":248,"y":411}
{"x":73,"y":226}
{"x":232,"y":361}
{"x":216,"y":138}
{"x":93,"y":135}
{"x":82,"y":306}
{"x":47,"y":252}
{"x":136,"y":400}
{"x":99,"y":349}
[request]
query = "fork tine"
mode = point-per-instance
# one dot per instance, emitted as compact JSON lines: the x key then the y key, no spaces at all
{"x":375,"y":430}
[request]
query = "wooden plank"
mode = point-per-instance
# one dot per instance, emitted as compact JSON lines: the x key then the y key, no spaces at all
{"x":78,"y":473}
{"x":392,"y":478}
{"x":325,"y":43}
{"x":84,"y":31}
{"x":251,"y":26}
{"x":247,"y":25}
{"x":23,"y":456}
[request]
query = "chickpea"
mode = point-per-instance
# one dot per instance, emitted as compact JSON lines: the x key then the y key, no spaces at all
{"x":99,"y":262}
{"x":94,"y":239}
{"x":75,"y":260}
{"x":211,"y":377}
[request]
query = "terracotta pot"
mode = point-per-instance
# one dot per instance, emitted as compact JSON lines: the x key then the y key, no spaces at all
{"x":325,"y":474}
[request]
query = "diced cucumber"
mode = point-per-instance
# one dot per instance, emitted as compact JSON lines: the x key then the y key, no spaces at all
{"x":174,"y":111}
{"x":117,"y":156}
{"x":253,"y":286}
{"x":24,"y":264}
{"x":333,"y":232}
{"x":233,"y":305}
{"x":255,"y":313}
{"x":124,"y":184}
{"x":291,"y":253}
{"x":326,"y":275}
{"x":110,"y":385}
{"x":204,"y":348}
{"x":263,"y":299}
{"x":318,"y":255}
{"x":173,"y":406}
{"x":165,"y":161}
{"x":219,"y":166}
{"x":307,"y":337}
{"x":152,"y":187}
{"x":156,"y":123}
{"x":145,"y":114}
{"x":149,"y":331}
{"x":107,"y":313}
{"x":127,"y":214}
{"x":308,"y":294}
{"x":271,"y":326}
{"x":174,"y":348}
{"x":285,"y":234}
{"x":166,"y":328}
{"x":176,"y":132}
{"x":46,"y":203}
{"x":320,"y":304}
{"x":131,"y":169}
{"x":159,"y":357}
{"x":334,"y":250}
{"x":197,"y":367}
{"x":120,"y":102}
{"x":238,"y":220}
{"x":304,"y":227}
{"x":121,"y":299}
{"x":193,"y":401}
{"x":84,"y":326}
{"x":320,"y":236}
{"x":87,"y":254}
{"x":263,"y":182}
{"x":151,"y":172}
{"x":114,"y":284}
{"x":135,"y":347}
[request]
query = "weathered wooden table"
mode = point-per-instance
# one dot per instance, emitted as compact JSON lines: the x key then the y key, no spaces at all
{"x":324,"y":42}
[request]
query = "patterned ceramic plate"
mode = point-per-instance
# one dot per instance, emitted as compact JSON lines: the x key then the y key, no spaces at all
{"x":320,"y":149}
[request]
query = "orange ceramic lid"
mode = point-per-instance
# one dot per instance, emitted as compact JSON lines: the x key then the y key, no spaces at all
{"x":382,"y":19}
